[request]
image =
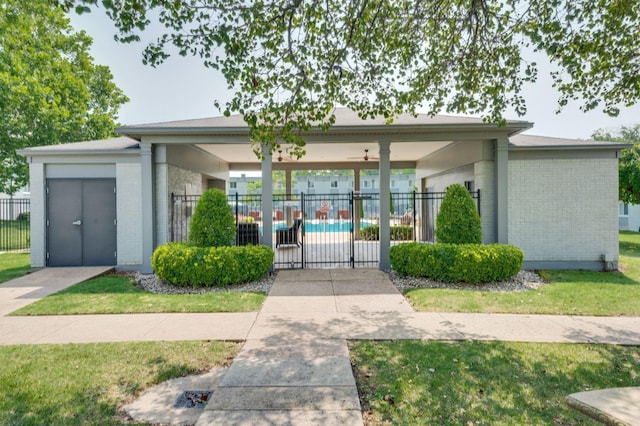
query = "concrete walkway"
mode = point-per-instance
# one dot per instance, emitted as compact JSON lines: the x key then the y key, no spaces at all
{"x":294,"y":367}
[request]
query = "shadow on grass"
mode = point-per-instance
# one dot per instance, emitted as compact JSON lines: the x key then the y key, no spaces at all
{"x":484,"y":382}
{"x":107,"y":284}
{"x":629,"y":243}
{"x":563,"y":276}
{"x":12,"y":273}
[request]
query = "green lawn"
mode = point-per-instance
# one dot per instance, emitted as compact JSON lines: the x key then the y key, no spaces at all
{"x":116,"y":294}
{"x":13,"y":265}
{"x":482,"y":383}
{"x":88,"y":384}
{"x":566,"y":292}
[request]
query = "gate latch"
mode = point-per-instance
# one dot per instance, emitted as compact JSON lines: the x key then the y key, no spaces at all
{"x":77,"y":222}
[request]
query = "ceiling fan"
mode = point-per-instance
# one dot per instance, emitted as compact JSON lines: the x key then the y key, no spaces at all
{"x":366,"y":156}
{"x":285,"y":158}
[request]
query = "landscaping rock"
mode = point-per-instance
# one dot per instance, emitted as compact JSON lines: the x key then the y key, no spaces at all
{"x":153,"y":284}
{"x":525,"y":280}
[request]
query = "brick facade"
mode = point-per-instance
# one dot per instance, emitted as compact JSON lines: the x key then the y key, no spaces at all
{"x":564,"y":210}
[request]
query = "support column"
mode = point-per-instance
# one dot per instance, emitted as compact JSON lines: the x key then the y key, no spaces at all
{"x":501,"y":163}
{"x":288,"y":183}
{"x":357,"y":204}
{"x":161,"y":176}
{"x":267,"y":198}
{"x":38,"y":215}
{"x":384,"y":170}
{"x":147,"y":206}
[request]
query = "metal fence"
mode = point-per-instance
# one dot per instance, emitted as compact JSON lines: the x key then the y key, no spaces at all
{"x":15,"y":226}
{"x":183,"y":206}
{"x":418,"y":210}
{"x":337,"y":230}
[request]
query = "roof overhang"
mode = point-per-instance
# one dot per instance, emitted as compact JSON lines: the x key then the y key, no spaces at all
{"x":412,"y":137}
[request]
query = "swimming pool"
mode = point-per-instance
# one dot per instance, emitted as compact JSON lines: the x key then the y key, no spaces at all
{"x":329,"y":226}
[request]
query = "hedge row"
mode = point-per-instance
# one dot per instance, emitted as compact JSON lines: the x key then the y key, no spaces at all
{"x":471,"y":263}
{"x":396,"y":233}
{"x":188,"y":265}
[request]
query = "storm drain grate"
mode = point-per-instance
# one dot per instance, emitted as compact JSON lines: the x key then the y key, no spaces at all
{"x":193,"y":399}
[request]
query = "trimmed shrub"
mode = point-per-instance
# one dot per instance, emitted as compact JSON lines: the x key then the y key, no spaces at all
{"x":396,"y":233}
{"x":212,"y":223}
{"x":458,"y":221}
{"x":188,"y":265}
{"x":470,"y":263}
{"x":370,"y":233}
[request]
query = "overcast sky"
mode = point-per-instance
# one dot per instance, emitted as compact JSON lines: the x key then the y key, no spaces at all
{"x":182,"y":88}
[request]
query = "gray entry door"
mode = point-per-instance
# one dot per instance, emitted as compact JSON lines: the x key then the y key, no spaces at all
{"x":81,"y":222}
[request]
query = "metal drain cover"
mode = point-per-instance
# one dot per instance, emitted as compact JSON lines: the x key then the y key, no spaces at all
{"x":193,"y":399}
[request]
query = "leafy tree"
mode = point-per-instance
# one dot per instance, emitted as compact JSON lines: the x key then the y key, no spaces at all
{"x":254,"y":187}
{"x":212,"y":223}
{"x":458,"y":221}
{"x":629,"y":162}
{"x":50,"y":90}
{"x":290,"y":62}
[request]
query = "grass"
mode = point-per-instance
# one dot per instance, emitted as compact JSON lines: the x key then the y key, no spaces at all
{"x":88,"y":384}
{"x":13,"y":265}
{"x":117,"y":294}
{"x":565,"y":292}
{"x":474,"y":383}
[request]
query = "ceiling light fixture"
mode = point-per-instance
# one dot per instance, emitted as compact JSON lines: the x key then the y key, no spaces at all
{"x":366,"y":155}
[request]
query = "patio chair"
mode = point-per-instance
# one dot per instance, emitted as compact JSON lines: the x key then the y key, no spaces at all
{"x":289,"y":235}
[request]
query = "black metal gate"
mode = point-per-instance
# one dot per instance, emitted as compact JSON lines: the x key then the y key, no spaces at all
{"x":326,"y":230}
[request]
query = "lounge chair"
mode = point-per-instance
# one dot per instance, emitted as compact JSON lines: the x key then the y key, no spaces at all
{"x":289,"y":235}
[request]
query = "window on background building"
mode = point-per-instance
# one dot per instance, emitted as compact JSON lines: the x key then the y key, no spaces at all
{"x":310,"y":184}
{"x":366,"y":183}
{"x":394,"y":184}
{"x":334,"y":183}
{"x":470,"y":185}
{"x":233,"y":185}
{"x":623,"y":209}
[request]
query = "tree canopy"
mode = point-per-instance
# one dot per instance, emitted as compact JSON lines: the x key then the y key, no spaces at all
{"x":50,"y":90}
{"x":290,"y":62}
{"x":629,"y":162}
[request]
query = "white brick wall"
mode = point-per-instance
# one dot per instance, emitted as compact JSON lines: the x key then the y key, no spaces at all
{"x":482,"y":173}
{"x":564,"y":209}
{"x":38,"y":215}
{"x":129,"y":213}
{"x":441,"y":182}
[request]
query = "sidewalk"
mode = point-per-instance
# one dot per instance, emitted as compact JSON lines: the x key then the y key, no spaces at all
{"x":302,"y":305}
{"x":294,"y":367}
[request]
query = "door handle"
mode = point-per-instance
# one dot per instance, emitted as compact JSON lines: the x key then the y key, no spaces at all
{"x":77,"y":222}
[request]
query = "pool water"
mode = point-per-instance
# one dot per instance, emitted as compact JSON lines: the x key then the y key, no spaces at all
{"x":328,"y":226}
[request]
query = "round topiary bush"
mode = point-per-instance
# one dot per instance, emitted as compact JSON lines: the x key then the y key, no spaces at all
{"x":188,"y":265}
{"x":212,"y":223}
{"x":458,"y":221}
{"x":470,"y":263}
